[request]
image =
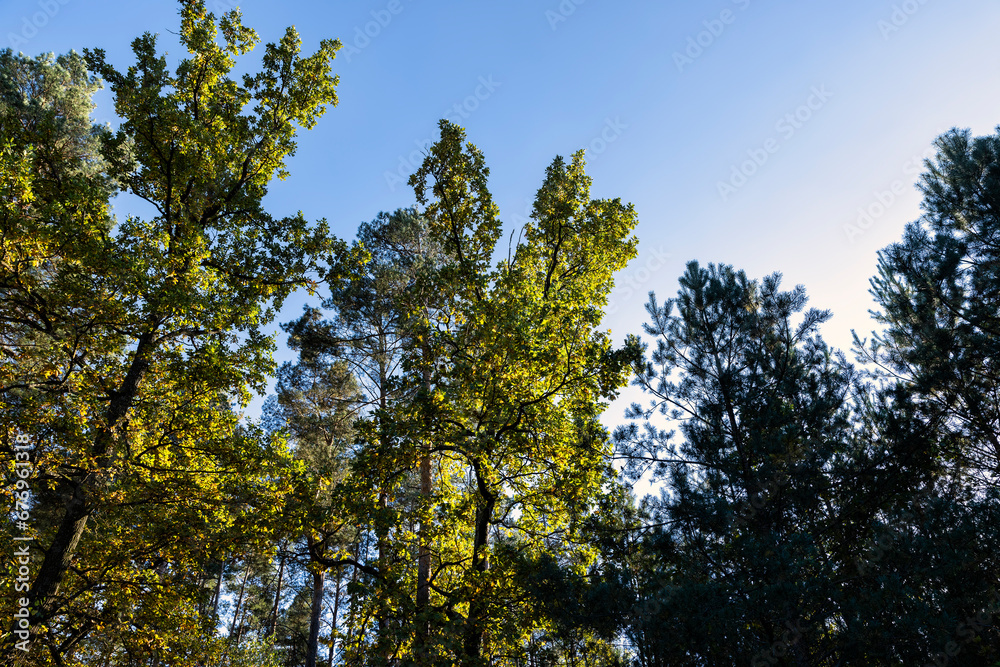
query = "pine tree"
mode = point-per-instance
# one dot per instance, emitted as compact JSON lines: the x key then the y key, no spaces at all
{"x":367,"y":330}
{"x":939,"y":294}
{"x":931,"y":556}
{"x":743,"y":537}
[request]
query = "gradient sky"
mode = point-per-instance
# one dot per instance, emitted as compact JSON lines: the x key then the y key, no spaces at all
{"x":833,"y":103}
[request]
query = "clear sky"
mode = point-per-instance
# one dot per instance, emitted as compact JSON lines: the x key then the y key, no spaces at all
{"x":747,"y":132}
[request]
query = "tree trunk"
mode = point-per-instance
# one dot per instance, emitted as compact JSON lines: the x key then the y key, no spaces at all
{"x":474,"y":630}
{"x":239,"y":604}
{"x":382,"y":640}
{"x":333,"y":623}
{"x":351,"y":606}
{"x":218,"y":591}
{"x":80,"y":506}
{"x":60,"y":554}
{"x":273,"y":621}
{"x":318,"y":588}
{"x":424,"y":550}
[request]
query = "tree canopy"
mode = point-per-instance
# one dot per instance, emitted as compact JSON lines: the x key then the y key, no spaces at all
{"x":431,"y":481}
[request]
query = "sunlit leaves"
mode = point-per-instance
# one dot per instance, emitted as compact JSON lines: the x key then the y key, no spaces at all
{"x":131,"y":346}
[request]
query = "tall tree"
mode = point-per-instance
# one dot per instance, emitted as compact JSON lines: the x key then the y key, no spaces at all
{"x":316,"y":403}
{"x":743,"y":539}
{"x":938,"y":290}
{"x":480,"y":442}
{"x":935,"y":415}
{"x":55,"y":193}
{"x":511,"y":400}
{"x":145,"y":335}
{"x":367,"y":331}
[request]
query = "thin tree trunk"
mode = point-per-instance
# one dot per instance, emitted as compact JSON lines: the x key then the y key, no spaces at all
{"x":424,"y":551}
{"x":239,"y":603}
{"x":382,"y":641}
{"x":474,"y":630}
{"x":351,"y":607}
{"x":60,"y":553}
{"x":241,"y":626}
{"x":333,"y":623}
{"x":318,"y":588}
{"x":218,"y":591}
{"x":202,"y":580}
{"x":273,"y":621}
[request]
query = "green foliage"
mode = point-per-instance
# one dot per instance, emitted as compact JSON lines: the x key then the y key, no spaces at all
{"x":519,"y":375}
{"x":935,"y":412}
{"x":487,"y":381}
{"x":812,"y":515}
{"x":130,"y":346}
{"x":760,"y":404}
{"x":431,"y":483}
{"x":939,"y":293}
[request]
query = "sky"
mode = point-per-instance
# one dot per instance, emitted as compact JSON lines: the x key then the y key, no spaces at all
{"x":773,"y":136}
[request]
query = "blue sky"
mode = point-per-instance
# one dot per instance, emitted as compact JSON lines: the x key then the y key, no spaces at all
{"x":747,"y":132}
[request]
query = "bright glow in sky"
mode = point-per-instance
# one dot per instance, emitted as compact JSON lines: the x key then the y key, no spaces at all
{"x":747,"y":132}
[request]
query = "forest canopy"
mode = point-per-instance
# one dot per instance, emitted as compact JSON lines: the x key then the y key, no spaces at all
{"x":430,"y":482}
